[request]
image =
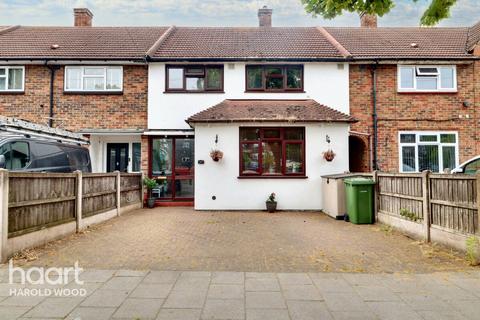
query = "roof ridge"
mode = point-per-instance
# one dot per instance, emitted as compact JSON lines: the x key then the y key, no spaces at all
{"x":340,"y":48}
{"x":153,"y":49}
{"x":471,"y":43}
{"x":8,"y":29}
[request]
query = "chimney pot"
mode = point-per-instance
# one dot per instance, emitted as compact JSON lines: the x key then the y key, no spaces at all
{"x":265,"y":17}
{"x":83,"y":17}
{"x":368,"y":20}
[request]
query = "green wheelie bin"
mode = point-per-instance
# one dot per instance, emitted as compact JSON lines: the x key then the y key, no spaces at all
{"x":359,"y":196}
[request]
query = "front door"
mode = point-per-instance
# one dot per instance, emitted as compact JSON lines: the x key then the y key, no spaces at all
{"x":172,"y":167}
{"x":117,"y":157}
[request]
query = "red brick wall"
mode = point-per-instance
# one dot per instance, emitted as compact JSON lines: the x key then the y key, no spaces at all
{"x":406,"y":111}
{"x":80,"y":111}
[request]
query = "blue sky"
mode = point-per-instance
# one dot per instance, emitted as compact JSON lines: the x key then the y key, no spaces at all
{"x":211,"y":13}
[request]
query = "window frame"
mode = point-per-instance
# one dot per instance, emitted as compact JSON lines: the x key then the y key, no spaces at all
{"x":186,"y":75}
{"x":6,"y":90}
{"x":438,"y":76}
{"x":284,"y":68}
{"x":83,"y":76}
{"x":418,"y":143}
{"x":283,"y":142}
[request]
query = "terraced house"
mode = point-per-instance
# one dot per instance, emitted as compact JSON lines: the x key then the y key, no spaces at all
{"x":222,"y":117}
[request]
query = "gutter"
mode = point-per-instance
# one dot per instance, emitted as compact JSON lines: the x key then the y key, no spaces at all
{"x":258,"y":59}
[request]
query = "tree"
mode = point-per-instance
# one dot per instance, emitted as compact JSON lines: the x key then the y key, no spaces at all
{"x":329,"y":9}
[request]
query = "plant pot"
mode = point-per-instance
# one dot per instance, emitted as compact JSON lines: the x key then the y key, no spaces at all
{"x":151,"y":203}
{"x":329,"y":155}
{"x":271,"y":206}
{"x":216,"y":155}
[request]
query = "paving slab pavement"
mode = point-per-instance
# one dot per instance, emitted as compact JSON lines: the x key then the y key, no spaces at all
{"x":186,"y":295}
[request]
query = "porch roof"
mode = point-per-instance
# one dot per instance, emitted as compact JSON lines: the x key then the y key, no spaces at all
{"x":306,"y":110}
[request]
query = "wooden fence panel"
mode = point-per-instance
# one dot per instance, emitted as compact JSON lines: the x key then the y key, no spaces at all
{"x":39,"y":200}
{"x":98,"y":193}
{"x":454,"y":202}
{"x":400,"y":191}
{"x":130,"y":188}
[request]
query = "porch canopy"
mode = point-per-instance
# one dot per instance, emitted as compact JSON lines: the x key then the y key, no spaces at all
{"x":261,"y":110}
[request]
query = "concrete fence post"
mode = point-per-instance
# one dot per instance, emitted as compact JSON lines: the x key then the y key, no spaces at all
{"x":142,"y":190}
{"x":4,"y":181}
{"x":118,"y":189}
{"x":79,"y":199}
{"x":375,"y":194}
{"x":426,"y":204}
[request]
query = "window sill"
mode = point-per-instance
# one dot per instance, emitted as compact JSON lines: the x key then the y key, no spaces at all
{"x":11,"y":92}
{"x":272,"y":177}
{"x":194,"y":92}
{"x":118,"y":93}
{"x":272,"y":91}
{"x":426,"y":92}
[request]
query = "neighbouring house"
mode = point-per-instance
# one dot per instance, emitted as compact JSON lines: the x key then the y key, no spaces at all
{"x":270,"y":102}
{"x":88,"y":79}
{"x":416,"y":94}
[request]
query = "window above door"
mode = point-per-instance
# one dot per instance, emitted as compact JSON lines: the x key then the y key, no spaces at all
{"x":93,"y":79}
{"x":274,"y":78}
{"x":427,"y":78}
{"x":194,"y":78}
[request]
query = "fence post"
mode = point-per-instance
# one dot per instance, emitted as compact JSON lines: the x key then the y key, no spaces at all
{"x":142,"y":190}
{"x":118,"y":189}
{"x":375,"y":194}
{"x":3,"y":214}
{"x":426,"y":204}
{"x":79,"y":200}
{"x":478,"y":202}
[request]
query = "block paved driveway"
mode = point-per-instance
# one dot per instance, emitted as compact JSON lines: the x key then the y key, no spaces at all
{"x":194,"y":295}
{"x":184,"y":239}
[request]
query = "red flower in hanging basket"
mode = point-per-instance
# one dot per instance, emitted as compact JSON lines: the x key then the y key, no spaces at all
{"x":216,"y":155}
{"x":329,"y":155}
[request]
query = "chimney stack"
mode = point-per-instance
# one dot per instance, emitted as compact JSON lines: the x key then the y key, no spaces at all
{"x":265,"y":17}
{"x":83,"y":17}
{"x":368,"y":20}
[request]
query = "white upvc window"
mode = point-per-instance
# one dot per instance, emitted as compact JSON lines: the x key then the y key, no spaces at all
{"x":94,"y":78}
{"x":12,"y":78}
{"x":427,"y":150}
{"x":423,"y":78}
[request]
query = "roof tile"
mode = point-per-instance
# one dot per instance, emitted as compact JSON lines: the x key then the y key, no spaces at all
{"x":306,"y":110}
{"x":397,"y":42}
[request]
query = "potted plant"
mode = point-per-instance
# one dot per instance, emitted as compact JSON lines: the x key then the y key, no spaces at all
{"x":329,"y":155}
{"x":216,"y":155}
{"x":271,"y":203}
{"x":150,"y":184}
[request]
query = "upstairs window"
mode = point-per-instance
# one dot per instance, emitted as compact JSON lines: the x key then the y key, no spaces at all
{"x":434,"y":151}
{"x":194,"y":78}
{"x":94,"y":79}
{"x":427,"y":79}
{"x":274,"y":78}
{"x":12,"y":79}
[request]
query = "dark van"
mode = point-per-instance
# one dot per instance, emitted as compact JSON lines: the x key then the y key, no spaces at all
{"x":23,"y":153}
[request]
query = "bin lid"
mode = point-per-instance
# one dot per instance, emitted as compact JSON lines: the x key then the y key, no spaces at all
{"x":359,"y":181}
{"x":342,"y":175}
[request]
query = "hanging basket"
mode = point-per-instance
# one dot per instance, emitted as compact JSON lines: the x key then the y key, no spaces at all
{"x":216,"y":155}
{"x":329,"y":155}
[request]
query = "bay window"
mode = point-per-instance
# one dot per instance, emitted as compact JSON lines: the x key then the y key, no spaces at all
{"x":12,"y":79}
{"x":427,"y":78}
{"x":194,"y":78}
{"x":274,"y":78}
{"x":94,"y":78}
{"x":271,"y":152}
{"x":434,"y":151}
